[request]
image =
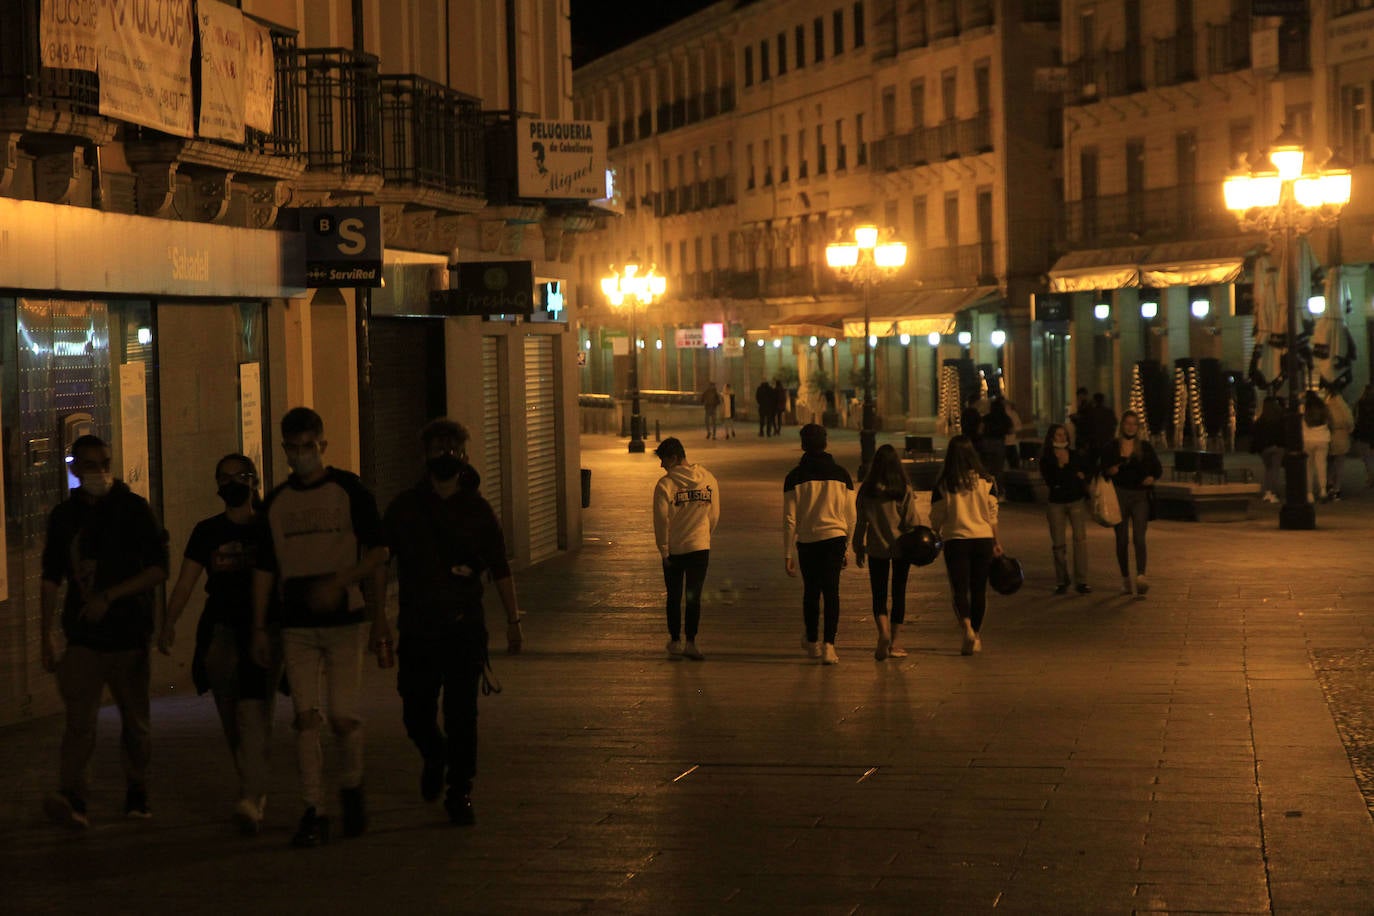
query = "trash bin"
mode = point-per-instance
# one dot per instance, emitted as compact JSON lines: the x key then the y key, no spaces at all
{"x":586,"y":488}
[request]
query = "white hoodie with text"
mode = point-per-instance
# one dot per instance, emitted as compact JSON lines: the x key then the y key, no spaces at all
{"x":686,"y":509}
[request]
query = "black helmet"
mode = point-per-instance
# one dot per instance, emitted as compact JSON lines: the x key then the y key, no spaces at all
{"x":1005,"y":575}
{"x":919,"y":546}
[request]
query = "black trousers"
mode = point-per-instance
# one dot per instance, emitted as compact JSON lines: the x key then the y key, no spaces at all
{"x":684,"y":574}
{"x":967,"y":561}
{"x":451,"y":665}
{"x":821,"y":562}
{"x":878,"y":568}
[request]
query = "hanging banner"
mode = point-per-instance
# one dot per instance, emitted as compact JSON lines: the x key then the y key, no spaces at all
{"x":133,"y":426}
{"x":145,"y":64}
{"x":259,"y":76}
{"x":250,"y":413}
{"x":69,"y":34}
{"x":561,"y":159}
{"x":221,"y":71}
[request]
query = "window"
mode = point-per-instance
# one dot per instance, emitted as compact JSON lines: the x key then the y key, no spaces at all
{"x":763,"y":62}
{"x":1299,"y":120}
{"x":667,"y":257}
{"x":767,"y":163}
{"x":715,"y":252}
{"x":890,"y":213}
{"x":681,"y":256}
{"x":1242,"y":133}
{"x":818,"y":33}
{"x":800,"y":46}
{"x":952,"y":218}
{"x":840,"y":163}
{"x":782,"y":54}
{"x":918,"y":104}
{"x":918,"y":222}
{"x":783,"y":164}
{"x":749,"y":156}
{"x":696,"y":254}
{"x":837,"y":28}
{"x":982,"y":83}
{"x":889,"y":110}
{"x":820,"y":149}
{"x":801,"y":154}
{"x":862,"y":151}
{"x":949,"y":94}
{"x":749,"y":66}
{"x":859,"y":24}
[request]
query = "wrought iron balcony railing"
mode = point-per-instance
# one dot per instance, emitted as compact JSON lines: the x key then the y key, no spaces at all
{"x":341,"y":96}
{"x":1228,"y":45}
{"x":24,"y":79}
{"x":950,"y":140}
{"x":1158,"y":214}
{"x":1175,"y":59}
{"x":431,"y":136}
{"x":958,"y":265}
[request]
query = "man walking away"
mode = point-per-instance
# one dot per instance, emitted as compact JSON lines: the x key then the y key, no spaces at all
{"x":105,"y":543}
{"x":686,"y":510}
{"x":323,"y":553}
{"x":763,"y":397}
{"x":444,"y":537}
{"x":727,"y":410}
{"x":818,"y":515}
{"x":710,"y":399}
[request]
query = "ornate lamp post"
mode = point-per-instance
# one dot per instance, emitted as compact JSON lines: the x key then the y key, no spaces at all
{"x":629,"y":287}
{"x":1288,"y":202}
{"x":863,"y":261}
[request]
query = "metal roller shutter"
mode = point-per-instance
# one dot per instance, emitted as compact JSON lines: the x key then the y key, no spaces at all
{"x":492,"y":478}
{"x":407,"y":392}
{"x":542,"y":445}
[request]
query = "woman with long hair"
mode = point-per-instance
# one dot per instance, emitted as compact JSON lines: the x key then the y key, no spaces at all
{"x":886,"y":507}
{"x":1132,"y":466}
{"x":963,"y":509}
{"x":1066,"y":475}
{"x":1316,"y":442}
{"x":1266,"y":440}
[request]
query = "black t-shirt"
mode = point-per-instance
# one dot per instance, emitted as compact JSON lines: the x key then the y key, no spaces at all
{"x":228,"y":551}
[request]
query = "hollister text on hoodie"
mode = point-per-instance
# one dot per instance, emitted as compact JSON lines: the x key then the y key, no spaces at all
{"x":686,"y":509}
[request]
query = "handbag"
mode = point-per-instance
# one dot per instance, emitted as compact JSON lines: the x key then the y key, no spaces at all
{"x":1105,"y":508}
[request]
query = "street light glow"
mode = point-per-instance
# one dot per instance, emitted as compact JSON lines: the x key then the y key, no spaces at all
{"x":933,"y":338}
{"x":866,"y":236}
{"x":814,"y":340}
{"x":1316,"y":304}
{"x":905,"y":339}
{"x":842,"y":256}
{"x":965,"y":338}
{"x":1149,"y":309}
{"x":890,"y":256}
{"x":1102,"y":311}
{"x":1201,"y":307}
{"x":998,"y":337}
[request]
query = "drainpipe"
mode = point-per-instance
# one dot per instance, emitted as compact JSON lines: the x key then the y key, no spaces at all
{"x":512,"y":75}
{"x":362,"y":296}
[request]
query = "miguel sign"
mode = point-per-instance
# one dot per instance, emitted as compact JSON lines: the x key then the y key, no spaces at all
{"x":561,"y":159}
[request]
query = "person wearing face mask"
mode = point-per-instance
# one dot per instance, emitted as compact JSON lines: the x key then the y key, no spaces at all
{"x":444,"y":537}
{"x":224,"y":548}
{"x":322,"y":559}
{"x":1066,"y":473}
{"x":106,"y":544}
{"x":1133,"y":467}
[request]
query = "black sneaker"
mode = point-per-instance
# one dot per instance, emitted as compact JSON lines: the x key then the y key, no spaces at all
{"x":67,"y":810}
{"x":136,"y":803}
{"x":353,"y":810}
{"x":1084,"y":588}
{"x":432,"y":779}
{"x":459,"y":808}
{"x":1062,"y":588}
{"x":313,"y":830}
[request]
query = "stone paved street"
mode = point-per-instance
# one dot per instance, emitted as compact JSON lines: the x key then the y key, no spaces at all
{"x":1179,"y":753}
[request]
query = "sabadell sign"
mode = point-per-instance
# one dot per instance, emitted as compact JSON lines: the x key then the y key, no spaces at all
{"x":561,"y":159}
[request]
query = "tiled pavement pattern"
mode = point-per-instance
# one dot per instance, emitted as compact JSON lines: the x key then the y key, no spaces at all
{"x":1174,"y":754}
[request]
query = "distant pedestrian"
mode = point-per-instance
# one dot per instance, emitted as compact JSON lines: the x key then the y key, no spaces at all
{"x":1066,"y":474}
{"x":963,"y":508}
{"x":105,"y":544}
{"x":992,"y":437}
{"x":1363,"y":433}
{"x":1013,"y":437}
{"x":1103,"y":423}
{"x":764,"y":399}
{"x":817,"y":524}
{"x":1316,"y":442}
{"x":445,"y":538}
{"x":971,"y":422}
{"x":1267,"y":441}
{"x":1342,"y":424}
{"x":885,"y":508}
{"x":710,"y":399}
{"x":686,"y":510}
{"x":323,"y":554}
{"x":1085,"y":437}
{"x":1133,"y":467}
{"x":224,"y":547}
{"x":727,"y":410}
{"x":781,"y":403}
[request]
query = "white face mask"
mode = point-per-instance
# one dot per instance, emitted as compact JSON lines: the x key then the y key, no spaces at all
{"x":97,"y":484}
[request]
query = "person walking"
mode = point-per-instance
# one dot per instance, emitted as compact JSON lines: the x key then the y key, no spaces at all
{"x":1132,"y":466}
{"x":105,"y":543}
{"x":727,"y":410}
{"x":992,"y":437}
{"x":710,"y":399}
{"x":444,"y":538}
{"x":1013,"y":437}
{"x":1342,"y":424}
{"x":763,"y":398}
{"x":686,"y":510}
{"x":1316,"y":442}
{"x":224,"y":548}
{"x":1103,"y":423}
{"x":1363,"y":434}
{"x":884,"y":509}
{"x":780,"y":405}
{"x":1267,"y":441}
{"x":817,"y":524}
{"x":322,"y":557}
{"x":1066,"y":474}
{"x":963,"y":509}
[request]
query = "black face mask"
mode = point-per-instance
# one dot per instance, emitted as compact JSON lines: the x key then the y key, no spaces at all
{"x":235,"y":494}
{"x":444,"y":467}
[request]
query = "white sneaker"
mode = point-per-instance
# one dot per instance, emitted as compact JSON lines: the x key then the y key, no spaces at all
{"x":1141,"y":586}
{"x":813,"y":649}
{"x":248,"y":815}
{"x":1126,"y":588}
{"x":828,"y":656}
{"x":692,"y":652}
{"x":674,"y":647}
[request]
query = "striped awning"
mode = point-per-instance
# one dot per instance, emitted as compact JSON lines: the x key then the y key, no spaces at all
{"x":918,"y":312}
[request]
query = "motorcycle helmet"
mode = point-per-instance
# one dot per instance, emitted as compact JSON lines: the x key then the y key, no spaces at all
{"x":1005,"y":575}
{"x":919,"y":546}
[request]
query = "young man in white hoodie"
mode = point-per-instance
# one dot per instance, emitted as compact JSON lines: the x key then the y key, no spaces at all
{"x":686,"y":509}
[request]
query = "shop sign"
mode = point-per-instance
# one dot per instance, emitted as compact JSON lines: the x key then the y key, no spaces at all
{"x":1051,"y":308}
{"x":343,"y":246}
{"x":488,"y":288}
{"x":560,"y":159}
{"x":689,"y":339}
{"x":133,"y":426}
{"x":250,"y":412}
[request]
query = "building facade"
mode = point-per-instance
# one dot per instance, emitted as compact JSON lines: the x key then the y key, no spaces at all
{"x":153,"y":278}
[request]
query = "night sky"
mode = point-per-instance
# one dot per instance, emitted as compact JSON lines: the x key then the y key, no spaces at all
{"x":601,"y":26}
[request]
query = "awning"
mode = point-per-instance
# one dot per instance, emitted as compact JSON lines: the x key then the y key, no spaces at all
{"x":918,"y":312}
{"x":1097,"y":268}
{"x":1198,"y":263}
{"x":822,"y":325}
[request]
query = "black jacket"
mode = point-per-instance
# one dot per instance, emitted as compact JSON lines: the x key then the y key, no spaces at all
{"x":1131,"y":474}
{"x":1063,"y":480}
{"x":1266,"y":433}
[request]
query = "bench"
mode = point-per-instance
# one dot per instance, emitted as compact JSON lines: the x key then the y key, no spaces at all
{"x":1228,"y":501}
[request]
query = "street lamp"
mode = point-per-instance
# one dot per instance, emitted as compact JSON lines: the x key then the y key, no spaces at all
{"x":629,"y":287}
{"x":863,"y":261}
{"x":1288,"y":202}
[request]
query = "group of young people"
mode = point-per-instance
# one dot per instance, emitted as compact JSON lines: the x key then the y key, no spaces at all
{"x":1331,"y":434}
{"x":295,"y":593}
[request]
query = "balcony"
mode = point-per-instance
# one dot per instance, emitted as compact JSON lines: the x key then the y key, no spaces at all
{"x":1159,"y":214}
{"x":1175,"y":59}
{"x":341,"y":92}
{"x":950,"y":140}
{"x":1107,"y":74}
{"x":33,"y":96}
{"x":722,"y":192}
{"x":431,"y":141}
{"x":1228,"y":45}
{"x":782,"y":282}
{"x":958,"y":265}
